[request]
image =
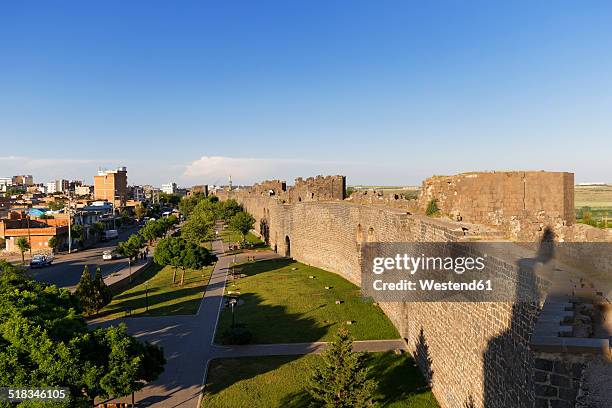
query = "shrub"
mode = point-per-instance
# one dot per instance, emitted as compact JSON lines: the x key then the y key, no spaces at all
{"x":432,"y":208}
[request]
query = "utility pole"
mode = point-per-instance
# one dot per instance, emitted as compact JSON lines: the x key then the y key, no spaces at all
{"x":69,"y":228}
{"x":29,"y":235}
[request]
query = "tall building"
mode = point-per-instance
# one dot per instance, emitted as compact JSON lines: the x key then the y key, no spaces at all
{"x":58,"y":186}
{"x":169,"y":188}
{"x":51,"y":187}
{"x":23,"y":180}
{"x":83,"y":190}
{"x":136,"y":193}
{"x":5,"y":182}
{"x":111,"y":185}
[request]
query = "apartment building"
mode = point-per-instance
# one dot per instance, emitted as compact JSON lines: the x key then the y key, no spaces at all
{"x":111,"y":185}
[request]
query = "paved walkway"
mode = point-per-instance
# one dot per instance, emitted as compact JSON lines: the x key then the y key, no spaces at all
{"x":188,"y":343}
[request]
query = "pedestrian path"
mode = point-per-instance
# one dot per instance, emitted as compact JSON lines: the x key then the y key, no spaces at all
{"x":188,"y":342}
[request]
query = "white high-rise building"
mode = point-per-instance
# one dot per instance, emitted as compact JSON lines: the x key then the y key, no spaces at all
{"x":169,"y":188}
{"x":57,"y":186}
{"x":5,"y":182}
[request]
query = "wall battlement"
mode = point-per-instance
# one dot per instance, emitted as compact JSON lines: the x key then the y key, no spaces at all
{"x":518,"y":202}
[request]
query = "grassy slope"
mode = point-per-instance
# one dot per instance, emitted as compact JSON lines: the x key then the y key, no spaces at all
{"x":165,"y":298}
{"x":280,"y":382}
{"x":285,"y":306}
{"x":232,"y":236}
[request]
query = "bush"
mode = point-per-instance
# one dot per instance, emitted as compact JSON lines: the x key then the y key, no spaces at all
{"x":432,"y":208}
{"x":236,"y":335}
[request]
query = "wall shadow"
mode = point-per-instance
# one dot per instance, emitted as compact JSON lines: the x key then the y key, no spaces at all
{"x":508,"y":361}
{"x":423,"y":357}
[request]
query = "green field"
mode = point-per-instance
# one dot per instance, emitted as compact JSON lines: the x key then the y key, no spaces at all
{"x":593,"y":196}
{"x":282,"y":305}
{"x":593,"y":205}
{"x":280,"y":382}
{"x":233,"y":236}
{"x":164,"y":297}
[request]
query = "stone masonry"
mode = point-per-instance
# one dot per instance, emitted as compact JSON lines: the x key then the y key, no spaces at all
{"x":474,"y":354}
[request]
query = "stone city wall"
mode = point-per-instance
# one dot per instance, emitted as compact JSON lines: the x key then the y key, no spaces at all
{"x":520,"y":203}
{"x":475,"y":354}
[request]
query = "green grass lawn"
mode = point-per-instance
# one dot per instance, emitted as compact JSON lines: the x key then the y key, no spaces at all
{"x":165,"y":298}
{"x":282,"y":305}
{"x":280,"y":381}
{"x":232,"y":236}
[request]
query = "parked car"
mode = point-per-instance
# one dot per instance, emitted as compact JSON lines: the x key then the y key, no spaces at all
{"x":40,"y":261}
{"x":110,"y":234}
{"x":109,"y":255}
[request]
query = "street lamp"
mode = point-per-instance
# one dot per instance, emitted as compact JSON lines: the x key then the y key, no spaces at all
{"x":146,"y":296}
{"x":232,"y":303}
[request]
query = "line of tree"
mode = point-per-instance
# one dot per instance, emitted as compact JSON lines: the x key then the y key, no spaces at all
{"x":45,"y":342}
{"x":203,"y":212}
{"x":155,"y":229}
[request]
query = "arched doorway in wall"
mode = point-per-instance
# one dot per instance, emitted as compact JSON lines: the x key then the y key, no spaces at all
{"x":371,"y":237}
{"x":287,"y":246}
{"x":264,"y":230}
{"x":360,"y":238}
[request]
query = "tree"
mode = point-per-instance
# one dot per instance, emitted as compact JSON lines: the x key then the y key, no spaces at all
{"x":167,"y":222}
{"x":77,"y":234}
{"x":341,"y":380}
{"x":199,"y":227}
{"x":139,"y":211}
{"x":48,"y":344}
{"x":228,"y":209}
{"x":194,"y":257}
{"x":242,"y":222}
{"x":180,"y":253}
{"x":53,"y":243}
{"x":131,"y":248}
{"x":86,"y":293}
{"x":101,"y":289}
{"x":188,"y":203}
{"x":168,"y":253}
{"x":152,"y":230}
{"x":97,"y":228}
{"x":24,"y":245}
{"x":172,"y":199}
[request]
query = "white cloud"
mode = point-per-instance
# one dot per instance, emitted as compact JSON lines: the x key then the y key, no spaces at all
{"x":248,"y":170}
{"x":47,"y":169}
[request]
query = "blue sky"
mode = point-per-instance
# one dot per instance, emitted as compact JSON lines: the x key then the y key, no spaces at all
{"x":386,"y":92}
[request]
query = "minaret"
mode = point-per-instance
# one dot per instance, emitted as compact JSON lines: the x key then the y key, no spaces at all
{"x":230,"y":182}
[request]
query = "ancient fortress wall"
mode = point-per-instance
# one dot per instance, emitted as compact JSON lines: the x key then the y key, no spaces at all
{"x":517,"y":202}
{"x":474,"y":354}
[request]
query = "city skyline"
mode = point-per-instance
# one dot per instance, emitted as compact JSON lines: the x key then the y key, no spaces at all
{"x":192,"y":93}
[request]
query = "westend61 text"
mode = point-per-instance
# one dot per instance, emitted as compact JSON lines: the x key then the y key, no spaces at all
{"x":432,"y":285}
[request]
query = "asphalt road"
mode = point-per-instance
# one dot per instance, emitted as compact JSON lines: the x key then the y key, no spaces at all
{"x":66,"y":269}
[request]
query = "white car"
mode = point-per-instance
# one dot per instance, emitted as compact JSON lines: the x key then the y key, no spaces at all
{"x":108,"y":255}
